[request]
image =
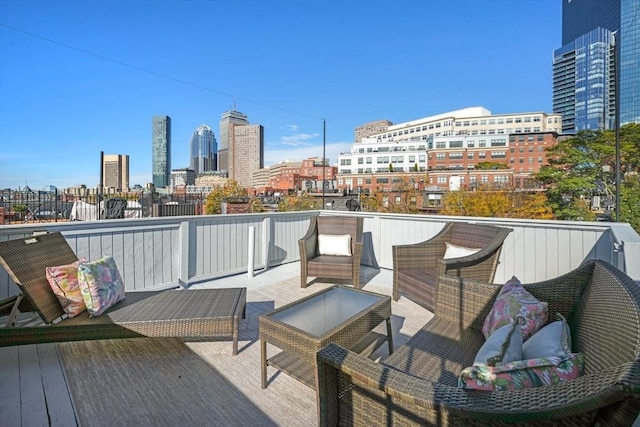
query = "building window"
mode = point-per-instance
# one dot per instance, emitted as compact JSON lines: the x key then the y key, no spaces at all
{"x":482,"y":155}
{"x":442,"y":180}
{"x":440,"y":156}
{"x":441,"y":144}
{"x":540,"y":137}
{"x":455,"y":155}
{"x":455,"y":144}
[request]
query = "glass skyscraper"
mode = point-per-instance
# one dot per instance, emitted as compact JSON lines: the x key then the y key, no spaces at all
{"x":630,"y":62}
{"x":161,"y":150}
{"x":584,"y":68}
{"x":204,"y":150}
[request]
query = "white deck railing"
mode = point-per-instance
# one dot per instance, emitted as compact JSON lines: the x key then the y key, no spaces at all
{"x":163,"y":252}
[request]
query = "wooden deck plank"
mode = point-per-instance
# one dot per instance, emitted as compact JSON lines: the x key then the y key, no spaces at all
{"x":58,"y":399}
{"x":35,"y":373}
{"x":10,"y":386}
{"x":33,"y":404}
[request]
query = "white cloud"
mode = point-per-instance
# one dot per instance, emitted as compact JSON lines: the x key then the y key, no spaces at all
{"x":298,"y":139}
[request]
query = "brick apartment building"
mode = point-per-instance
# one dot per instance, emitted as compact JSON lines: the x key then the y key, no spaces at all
{"x":294,"y":176}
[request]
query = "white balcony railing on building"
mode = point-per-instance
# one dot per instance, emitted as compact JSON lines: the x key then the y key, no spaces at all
{"x":154,"y":253}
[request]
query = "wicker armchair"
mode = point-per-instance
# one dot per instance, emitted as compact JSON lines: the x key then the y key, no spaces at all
{"x":417,"y":384}
{"x":417,"y":266}
{"x":313,"y":264}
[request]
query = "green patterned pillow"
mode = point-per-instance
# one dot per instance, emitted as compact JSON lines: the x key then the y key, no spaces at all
{"x":101,"y":284}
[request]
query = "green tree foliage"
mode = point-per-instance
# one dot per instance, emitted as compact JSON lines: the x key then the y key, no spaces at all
{"x":491,"y":165}
{"x":303,"y":202}
{"x":583,"y":166}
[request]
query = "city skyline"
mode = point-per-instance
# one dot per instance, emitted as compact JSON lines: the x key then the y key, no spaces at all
{"x":80,"y":78}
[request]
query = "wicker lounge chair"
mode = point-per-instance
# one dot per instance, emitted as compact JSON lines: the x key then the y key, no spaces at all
{"x":416,"y":266}
{"x":417,"y":384}
{"x":313,"y":264}
{"x":185,"y":313}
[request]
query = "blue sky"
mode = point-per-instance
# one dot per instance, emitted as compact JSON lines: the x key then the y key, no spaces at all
{"x":79,"y":77}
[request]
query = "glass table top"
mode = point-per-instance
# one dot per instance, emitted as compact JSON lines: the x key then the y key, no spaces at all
{"x":325,"y":310}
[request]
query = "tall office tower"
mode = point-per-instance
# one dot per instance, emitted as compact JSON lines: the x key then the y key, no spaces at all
{"x":116,"y":172}
{"x":246,"y":152}
{"x":161,"y":150}
{"x":227,"y":121}
{"x":203,"y":150}
{"x":584,"y":68}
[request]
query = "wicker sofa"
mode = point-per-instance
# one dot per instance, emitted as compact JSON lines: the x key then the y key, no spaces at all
{"x":417,"y":384}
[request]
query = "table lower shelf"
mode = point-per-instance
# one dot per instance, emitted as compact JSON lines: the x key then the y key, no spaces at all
{"x":305,"y":372}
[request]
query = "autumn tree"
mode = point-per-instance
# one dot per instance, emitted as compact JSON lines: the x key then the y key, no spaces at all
{"x":403,"y":197}
{"x":302,"y":202}
{"x":496,"y":203}
{"x":231,"y":188}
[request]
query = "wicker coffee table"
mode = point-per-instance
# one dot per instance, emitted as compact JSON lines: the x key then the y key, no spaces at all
{"x":339,"y":314}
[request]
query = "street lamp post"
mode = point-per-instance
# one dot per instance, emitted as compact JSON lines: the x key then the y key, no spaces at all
{"x":324,"y":149}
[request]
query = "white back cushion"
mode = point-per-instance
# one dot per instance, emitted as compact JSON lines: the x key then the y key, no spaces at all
{"x":334,"y":244}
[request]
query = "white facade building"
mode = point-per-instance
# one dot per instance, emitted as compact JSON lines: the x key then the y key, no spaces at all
{"x":405,"y":147}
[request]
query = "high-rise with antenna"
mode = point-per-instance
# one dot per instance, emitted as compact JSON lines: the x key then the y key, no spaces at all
{"x":241,"y":147}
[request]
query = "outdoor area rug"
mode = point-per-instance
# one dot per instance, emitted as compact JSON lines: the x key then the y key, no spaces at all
{"x":150,"y":381}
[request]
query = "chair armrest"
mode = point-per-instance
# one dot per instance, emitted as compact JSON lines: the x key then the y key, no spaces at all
{"x":308,"y":244}
{"x":420,"y":256}
{"x":438,"y":403}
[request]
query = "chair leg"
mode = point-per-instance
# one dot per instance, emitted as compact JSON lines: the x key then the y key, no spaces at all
{"x":303,"y":281}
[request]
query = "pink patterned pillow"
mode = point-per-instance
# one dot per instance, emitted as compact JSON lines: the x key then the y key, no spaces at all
{"x":513,"y":303}
{"x":523,"y":373}
{"x":101,"y":284}
{"x":63,"y":280}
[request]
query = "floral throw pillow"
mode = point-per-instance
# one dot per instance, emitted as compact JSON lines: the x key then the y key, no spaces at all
{"x":63,"y":280}
{"x":522,"y":373}
{"x":101,"y":284}
{"x":515,"y":302}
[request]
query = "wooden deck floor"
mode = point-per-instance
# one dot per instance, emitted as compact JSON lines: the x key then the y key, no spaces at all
{"x":34,"y":392}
